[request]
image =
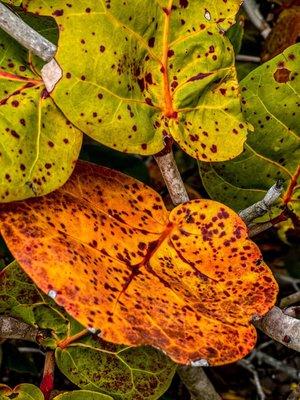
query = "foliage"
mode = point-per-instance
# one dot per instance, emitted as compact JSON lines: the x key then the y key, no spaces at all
{"x":126,"y":266}
{"x":30,"y":148}
{"x":92,"y":364}
{"x":272,"y":152}
{"x":138,"y":275}
{"x":167,"y":71}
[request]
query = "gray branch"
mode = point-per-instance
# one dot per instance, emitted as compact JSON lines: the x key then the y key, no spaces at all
{"x":196,"y":381}
{"x":262,"y":207}
{"x":280,"y":327}
{"x":11,"y":328}
{"x":172,"y":178}
{"x":252,"y":9}
{"x":25,"y":35}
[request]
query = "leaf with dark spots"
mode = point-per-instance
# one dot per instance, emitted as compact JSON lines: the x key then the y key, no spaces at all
{"x":284,"y":33}
{"x":82,"y":395}
{"x":90,"y":363}
{"x":185,"y":282}
{"x":34,"y":158}
{"x":25,"y":391}
{"x":145,"y":67}
{"x":270,"y":99}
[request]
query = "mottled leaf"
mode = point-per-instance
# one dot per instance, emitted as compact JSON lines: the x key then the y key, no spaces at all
{"x":123,"y":372}
{"x":38,"y":145}
{"x":25,"y":391}
{"x":272,"y":105}
{"x":150,"y":70}
{"x":187,"y":282}
{"x":285,"y":33}
{"x":82,"y":395}
{"x":12,"y":2}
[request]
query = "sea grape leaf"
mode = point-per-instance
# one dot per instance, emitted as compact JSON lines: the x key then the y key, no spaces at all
{"x":271,"y":103}
{"x":123,"y":372}
{"x":148,"y":71}
{"x":12,"y":2}
{"x":38,"y":145}
{"x":25,"y":391}
{"x":89,"y":363}
{"x":187,"y":282}
{"x":285,"y":33}
{"x":235,"y":34}
{"x":82,"y":395}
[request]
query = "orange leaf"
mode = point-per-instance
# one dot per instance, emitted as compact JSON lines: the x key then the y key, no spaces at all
{"x":187,"y":282}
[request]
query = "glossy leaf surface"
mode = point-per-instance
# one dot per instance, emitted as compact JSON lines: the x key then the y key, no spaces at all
{"x":187,"y":282}
{"x":38,"y":145}
{"x":150,"y":70}
{"x":90,"y":363}
{"x":271,"y":103}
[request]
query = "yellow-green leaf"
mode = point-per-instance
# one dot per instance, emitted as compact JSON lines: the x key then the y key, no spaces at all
{"x":148,"y":71}
{"x":271,"y":101}
{"x":38,"y":145}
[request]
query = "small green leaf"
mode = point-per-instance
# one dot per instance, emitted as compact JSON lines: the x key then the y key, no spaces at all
{"x":235,"y":35}
{"x":38,"y":145}
{"x":271,"y":103}
{"x":150,"y":71}
{"x":125,"y":373}
{"x":82,"y":395}
{"x":25,"y":391}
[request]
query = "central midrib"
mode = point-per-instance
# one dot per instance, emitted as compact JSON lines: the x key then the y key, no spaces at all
{"x":168,"y":102}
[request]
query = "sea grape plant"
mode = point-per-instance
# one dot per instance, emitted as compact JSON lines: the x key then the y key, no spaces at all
{"x":137,"y":76}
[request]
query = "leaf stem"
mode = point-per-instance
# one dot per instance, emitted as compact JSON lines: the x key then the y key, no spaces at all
{"x":172,"y":177}
{"x":292,"y":186}
{"x":25,"y":35}
{"x":66,"y":342}
{"x":47,"y":384}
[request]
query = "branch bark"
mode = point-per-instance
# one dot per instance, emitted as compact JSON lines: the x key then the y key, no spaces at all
{"x":172,"y":178}
{"x":280,"y":327}
{"x":11,"y":328}
{"x":25,"y":35}
{"x":257,"y":19}
{"x":197,"y":383}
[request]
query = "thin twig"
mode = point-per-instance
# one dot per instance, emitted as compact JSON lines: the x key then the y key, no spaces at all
{"x":252,"y":9}
{"x":262,"y":207}
{"x":289,"y":300}
{"x":172,"y":178}
{"x":250,"y":367}
{"x":277,"y":364}
{"x":196,"y":381}
{"x":247,"y":58}
{"x":25,"y":35}
{"x":11,"y":328}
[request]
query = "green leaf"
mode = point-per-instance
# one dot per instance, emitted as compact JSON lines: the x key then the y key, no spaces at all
{"x":12,"y":2}
{"x":148,"y":71}
{"x":38,"y":145}
{"x":82,"y":395}
{"x":92,"y":364}
{"x":25,"y":391}
{"x":235,"y":35}
{"x":124,"y":373}
{"x":271,"y":103}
